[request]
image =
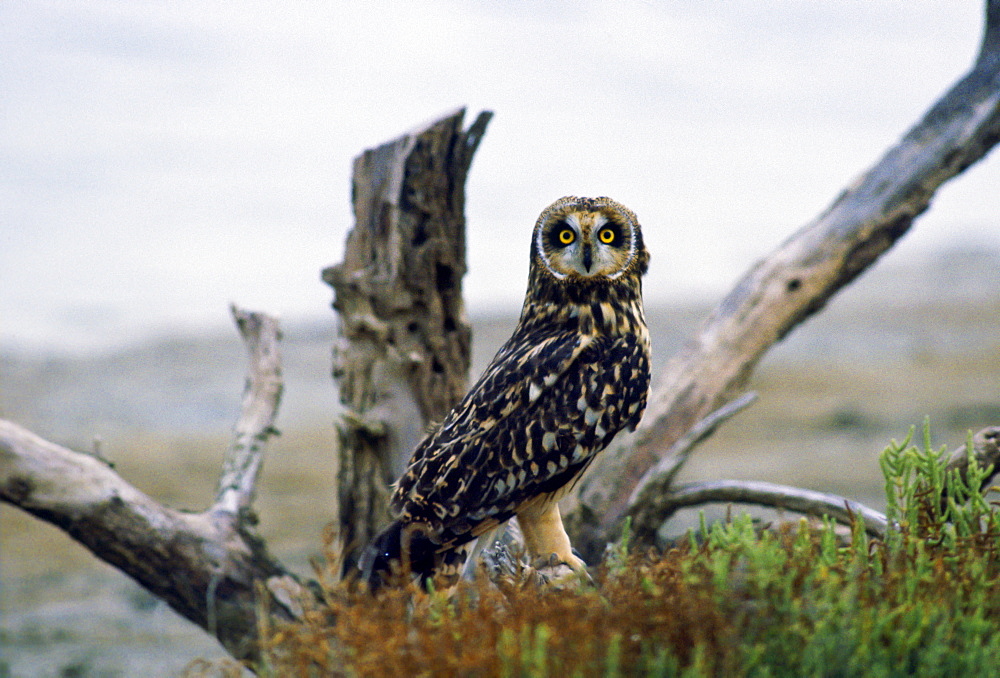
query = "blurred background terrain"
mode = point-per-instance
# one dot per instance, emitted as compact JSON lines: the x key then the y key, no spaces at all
{"x":908,"y":340}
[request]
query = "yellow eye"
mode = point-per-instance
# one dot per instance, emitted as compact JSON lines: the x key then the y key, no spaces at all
{"x":607,"y":236}
{"x":566,"y":236}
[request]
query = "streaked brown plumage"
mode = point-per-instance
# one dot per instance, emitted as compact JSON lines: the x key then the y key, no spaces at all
{"x":573,"y":374}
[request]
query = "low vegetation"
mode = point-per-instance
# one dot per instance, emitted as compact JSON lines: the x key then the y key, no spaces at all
{"x":735,"y":599}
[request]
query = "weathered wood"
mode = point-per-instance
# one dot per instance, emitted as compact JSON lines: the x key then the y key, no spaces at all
{"x":796,"y":281}
{"x":210,"y":567}
{"x":986,"y":452}
{"x":402,"y":356}
{"x":261,"y":396}
{"x":651,"y":495}
{"x":656,"y":501}
{"x":771,"y":495}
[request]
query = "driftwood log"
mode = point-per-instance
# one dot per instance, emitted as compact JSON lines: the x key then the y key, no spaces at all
{"x":213,"y":568}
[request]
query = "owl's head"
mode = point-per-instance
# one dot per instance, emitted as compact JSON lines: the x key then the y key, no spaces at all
{"x":589,"y":238}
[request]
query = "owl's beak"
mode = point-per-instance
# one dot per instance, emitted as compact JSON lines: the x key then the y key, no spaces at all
{"x":588,"y":258}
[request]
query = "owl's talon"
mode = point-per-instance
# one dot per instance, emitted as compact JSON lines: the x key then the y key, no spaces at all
{"x":549,"y":561}
{"x":556,"y":573}
{"x":560,"y":576}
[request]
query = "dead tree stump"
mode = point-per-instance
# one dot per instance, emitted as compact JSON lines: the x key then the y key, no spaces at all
{"x":401,"y":358}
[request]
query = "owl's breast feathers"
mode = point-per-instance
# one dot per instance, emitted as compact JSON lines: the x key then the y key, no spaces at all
{"x":570,"y":378}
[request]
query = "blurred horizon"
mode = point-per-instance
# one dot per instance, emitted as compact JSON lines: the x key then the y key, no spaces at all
{"x":920,"y":311}
{"x":160,"y":162}
{"x":889,"y":283}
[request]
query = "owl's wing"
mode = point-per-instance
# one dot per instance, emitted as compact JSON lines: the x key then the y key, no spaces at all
{"x":531,"y":424}
{"x":519,"y":374}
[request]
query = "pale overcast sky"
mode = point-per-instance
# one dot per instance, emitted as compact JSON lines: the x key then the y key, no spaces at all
{"x":159,"y":160}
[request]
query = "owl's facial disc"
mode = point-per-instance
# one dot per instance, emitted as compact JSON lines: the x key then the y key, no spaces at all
{"x":585,"y":244}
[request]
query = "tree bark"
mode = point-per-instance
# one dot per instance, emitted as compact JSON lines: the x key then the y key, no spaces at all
{"x":794,"y":282}
{"x":402,"y":356}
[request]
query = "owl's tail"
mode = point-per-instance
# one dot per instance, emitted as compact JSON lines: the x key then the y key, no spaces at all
{"x":398,"y":549}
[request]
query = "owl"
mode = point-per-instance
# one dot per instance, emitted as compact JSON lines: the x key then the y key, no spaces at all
{"x":573,"y":374}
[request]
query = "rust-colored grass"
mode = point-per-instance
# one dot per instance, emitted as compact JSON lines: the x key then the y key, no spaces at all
{"x":735,"y":599}
{"x":642,"y":613}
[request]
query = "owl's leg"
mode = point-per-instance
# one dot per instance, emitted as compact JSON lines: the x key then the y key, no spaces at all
{"x":544,"y":534}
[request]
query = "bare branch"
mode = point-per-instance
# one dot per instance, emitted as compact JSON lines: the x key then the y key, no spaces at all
{"x":655,"y":501}
{"x":794,"y":282}
{"x":261,"y":398}
{"x":644,"y":506}
{"x":772,"y":496}
{"x":659,"y":478}
{"x":657,"y":507}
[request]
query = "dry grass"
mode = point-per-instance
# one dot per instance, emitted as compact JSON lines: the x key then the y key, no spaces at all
{"x":740,"y":602}
{"x":645,"y":613}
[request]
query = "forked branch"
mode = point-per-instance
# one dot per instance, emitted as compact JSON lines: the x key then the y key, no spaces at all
{"x":211,"y":567}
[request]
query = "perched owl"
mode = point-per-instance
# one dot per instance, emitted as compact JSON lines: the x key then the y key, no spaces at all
{"x":574,"y":373}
